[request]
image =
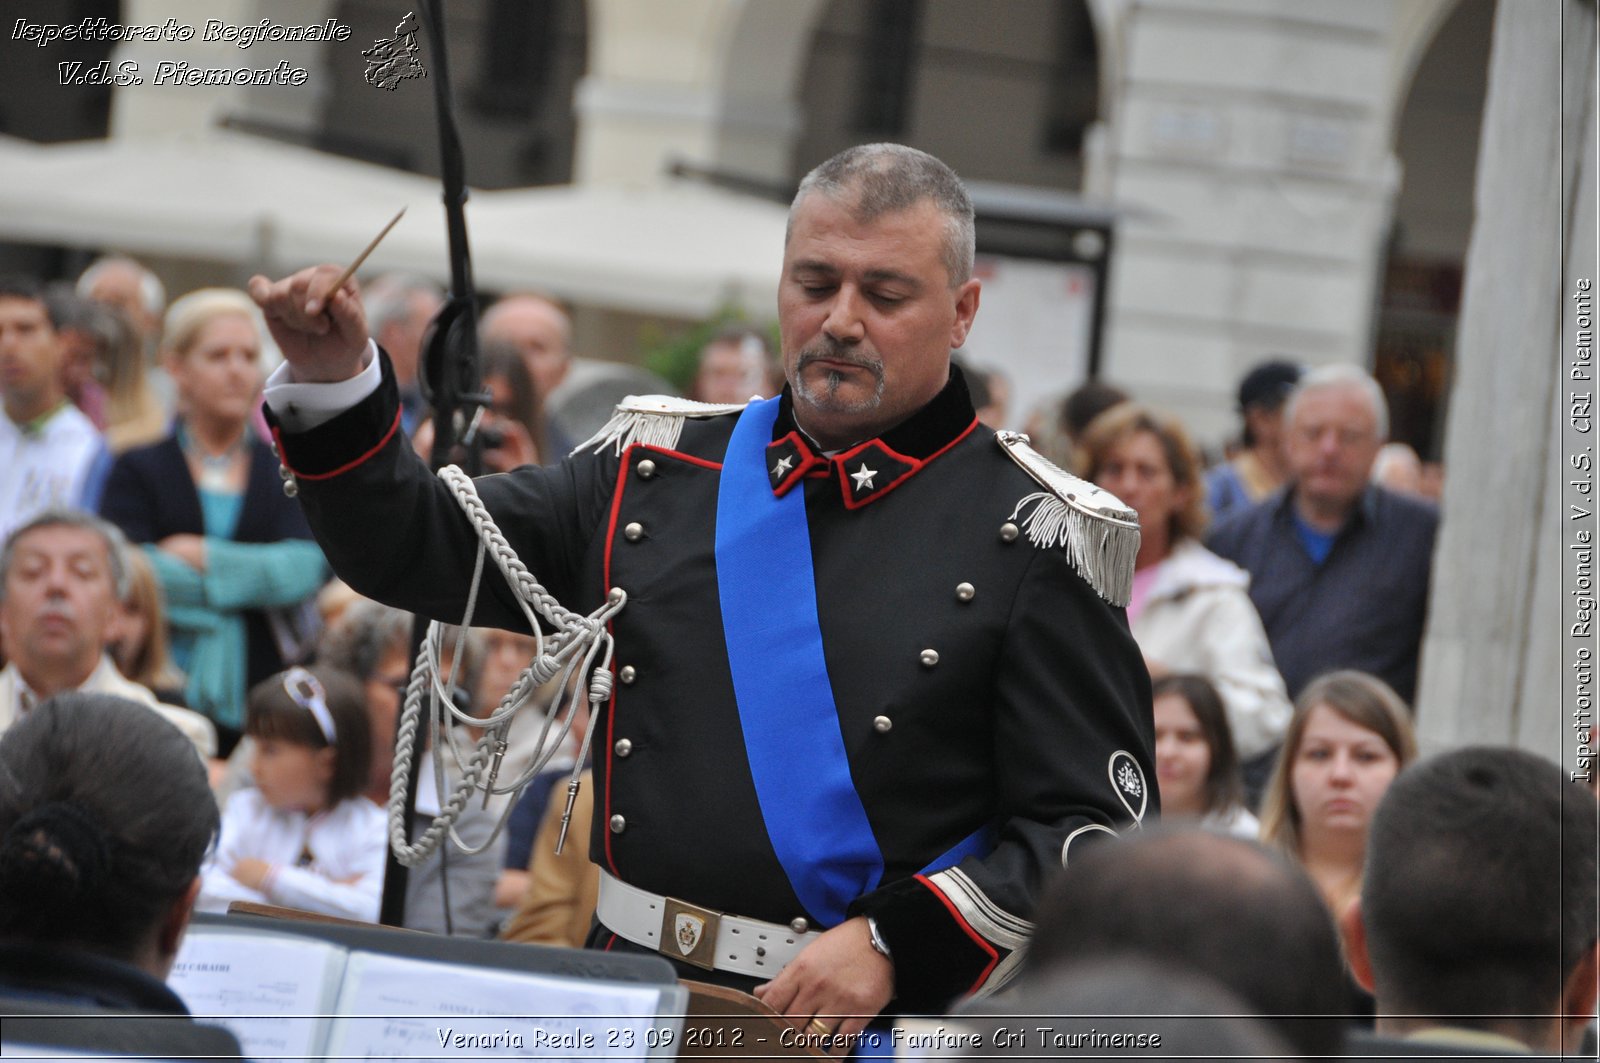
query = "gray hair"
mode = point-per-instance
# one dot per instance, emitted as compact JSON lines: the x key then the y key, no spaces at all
{"x":110,"y":534}
{"x":1333,"y":377}
{"x":362,"y":636}
{"x":388,"y":299}
{"x":368,"y":631}
{"x":151,"y":291}
{"x":888,"y":178}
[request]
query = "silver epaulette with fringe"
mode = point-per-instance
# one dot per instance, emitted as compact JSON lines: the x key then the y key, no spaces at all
{"x":1100,"y":533}
{"x":654,"y":420}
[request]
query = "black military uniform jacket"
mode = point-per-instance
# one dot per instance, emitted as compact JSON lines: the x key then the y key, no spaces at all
{"x":979,"y":679}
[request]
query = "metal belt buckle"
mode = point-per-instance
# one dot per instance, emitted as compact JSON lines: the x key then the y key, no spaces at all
{"x":689,"y":933}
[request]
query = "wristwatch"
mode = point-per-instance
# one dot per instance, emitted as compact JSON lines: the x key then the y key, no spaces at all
{"x":878,"y":944}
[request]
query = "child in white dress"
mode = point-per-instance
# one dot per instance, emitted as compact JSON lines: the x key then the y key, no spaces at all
{"x":304,"y":837}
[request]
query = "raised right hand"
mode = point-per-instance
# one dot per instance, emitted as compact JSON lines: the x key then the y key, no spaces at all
{"x":322,"y":338}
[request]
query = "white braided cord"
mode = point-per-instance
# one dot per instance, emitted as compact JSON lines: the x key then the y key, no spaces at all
{"x":580,"y":646}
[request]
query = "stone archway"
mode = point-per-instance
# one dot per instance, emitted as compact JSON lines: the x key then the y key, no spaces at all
{"x":1438,"y":112}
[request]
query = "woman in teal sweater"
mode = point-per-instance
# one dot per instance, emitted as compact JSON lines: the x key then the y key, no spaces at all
{"x":234,"y":556}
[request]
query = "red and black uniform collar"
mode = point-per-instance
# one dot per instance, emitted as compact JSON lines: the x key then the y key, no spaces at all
{"x":868,"y":470}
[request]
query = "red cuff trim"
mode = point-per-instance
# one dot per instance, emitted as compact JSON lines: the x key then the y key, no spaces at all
{"x":347,"y":466}
{"x":977,"y":938}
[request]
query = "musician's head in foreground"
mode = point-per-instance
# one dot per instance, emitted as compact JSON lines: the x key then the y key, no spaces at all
{"x":105,"y":817}
{"x":1477,"y":906}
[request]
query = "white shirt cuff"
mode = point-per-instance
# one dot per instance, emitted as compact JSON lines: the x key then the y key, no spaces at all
{"x":301,"y":407}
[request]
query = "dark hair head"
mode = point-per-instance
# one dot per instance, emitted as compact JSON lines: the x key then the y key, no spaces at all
{"x":1220,"y":906}
{"x":504,"y":361}
{"x":105,"y":817}
{"x":1480,"y":885}
{"x":1085,"y":403}
{"x":1364,"y":700}
{"x":1267,"y":385}
{"x":1224,"y":786}
{"x":276,"y":711}
{"x":13,"y":286}
{"x":1090,"y":1002}
{"x":879,"y":179}
{"x":1127,"y":419}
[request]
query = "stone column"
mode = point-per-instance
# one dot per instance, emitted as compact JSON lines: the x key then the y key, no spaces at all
{"x":1493,"y":659}
{"x":1249,"y":142}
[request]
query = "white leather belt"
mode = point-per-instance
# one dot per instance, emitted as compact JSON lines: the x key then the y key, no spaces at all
{"x":706,"y":938}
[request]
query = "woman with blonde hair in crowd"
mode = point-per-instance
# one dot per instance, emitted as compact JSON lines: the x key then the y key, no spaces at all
{"x":233,"y":555}
{"x":1190,"y":610}
{"x":1350,"y":736}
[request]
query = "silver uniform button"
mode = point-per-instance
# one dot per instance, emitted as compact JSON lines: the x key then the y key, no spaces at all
{"x":633,"y":532}
{"x":799,"y":925}
{"x":623,"y":747}
{"x":965,"y":592}
{"x":881,"y":724}
{"x":929,"y":658}
{"x":291,"y":488}
{"x":645,"y":469}
{"x":627,"y":674}
{"x":1009,"y":532}
{"x":615,"y":595}
{"x":618,"y":824}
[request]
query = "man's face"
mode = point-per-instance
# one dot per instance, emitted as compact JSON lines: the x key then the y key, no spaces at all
{"x":728,"y":374}
{"x":402,"y":338}
{"x":1332,"y":440}
{"x":539,"y":331}
{"x":31,"y":353}
{"x":60,"y":599}
{"x":868,"y":317}
{"x":219,"y":376}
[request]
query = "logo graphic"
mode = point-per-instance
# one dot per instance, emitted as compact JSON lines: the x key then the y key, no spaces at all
{"x":392,"y":61}
{"x":1127,"y":779}
{"x":687,"y":929}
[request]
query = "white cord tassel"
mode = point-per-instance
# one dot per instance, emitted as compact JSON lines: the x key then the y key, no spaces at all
{"x":1099,"y":533}
{"x":1100,"y":552}
{"x":579,"y":652}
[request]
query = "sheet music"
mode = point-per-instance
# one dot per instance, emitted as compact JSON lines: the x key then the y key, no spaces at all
{"x":394,"y":1007}
{"x":273,"y":993}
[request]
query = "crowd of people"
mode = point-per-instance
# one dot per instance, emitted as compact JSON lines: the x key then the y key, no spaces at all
{"x":158,"y":565}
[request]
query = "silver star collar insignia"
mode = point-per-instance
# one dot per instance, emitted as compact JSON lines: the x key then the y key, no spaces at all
{"x":863,"y":477}
{"x":783,"y":466}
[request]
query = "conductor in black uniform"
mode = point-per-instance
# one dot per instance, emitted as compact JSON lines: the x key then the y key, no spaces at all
{"x":873,"y":678}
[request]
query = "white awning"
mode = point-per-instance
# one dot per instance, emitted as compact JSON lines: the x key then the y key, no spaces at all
{"x":677,"y":249}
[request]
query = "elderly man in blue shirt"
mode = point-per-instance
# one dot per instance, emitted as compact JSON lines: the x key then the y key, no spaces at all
{"x":1338,"y":566}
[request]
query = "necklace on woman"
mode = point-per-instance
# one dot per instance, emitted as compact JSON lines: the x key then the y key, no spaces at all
{"x":216,"y":470}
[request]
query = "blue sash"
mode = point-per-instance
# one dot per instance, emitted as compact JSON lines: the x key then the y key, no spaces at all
{"x":809,"y":803}
{"x":813,"y":815}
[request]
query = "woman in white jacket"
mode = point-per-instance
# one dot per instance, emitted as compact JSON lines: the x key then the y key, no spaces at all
{"x":1190,"y":611}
